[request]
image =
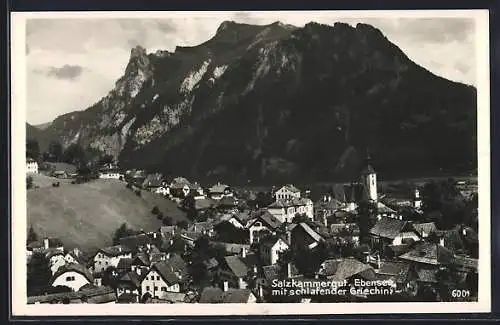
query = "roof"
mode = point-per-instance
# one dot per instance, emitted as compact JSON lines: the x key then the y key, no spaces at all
{"x":427,"y":275}
{"x":211,"y":263}
{"x":73,"y":267}
{"x":342,"y":269}
{"x":167,"y":230}
{"x":141,"y":258}
{"x":309,"y":231}
{"x":218,"y":188}
{"x":268,"y":219}
{"x":344,"y":229}
{"x":94,"y":295}
{"x":124,"y":263}
{"x":228,"y":201}
{"x":270,"y":240}
{"x":388,"y":227}
{"x":115,"y":250}
{"x":427,"y":227}
{"x":135,"y":241}
{"x":382,"y":208}
{"x":133,"y":278}
{"x":232,"y":247}
{"x":236,"y":265}
{"x":466,"y":262}
{"x":166,"y":271}
{"x":290,"y":187}
{"x":293,"y":202}
{"x":429,"y":253}
{"x":211,"y":295}
{"x":331,"y":205}
{"x":153,"y":180}
{"x":398,"y":270}
{"x":368,"y":170}
{"x":127,"y":297}
{"x":271,"y":272}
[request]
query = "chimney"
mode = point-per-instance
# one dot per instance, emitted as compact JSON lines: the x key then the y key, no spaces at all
{"x":46,"y":243}
{"x":441,"y":241}
{"x":225,"y":286}
{"x":378,"y":261}
{"x":155,"y":235}
{"x":168,"y":255}
{"x":171,"y":242}
{"x":194,"y":227}
{"x":255,"y":269}
{"x":289,"y":270}
{"x":261,"y":291}
{"x":464,"y":231}
{"x":289,"y":237}
{"x":243,"y":252}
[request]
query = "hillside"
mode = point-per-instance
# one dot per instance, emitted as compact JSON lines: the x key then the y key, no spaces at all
{"x":86,"y":215}
{"x":43,"y":136}
{"x":277,"y":103}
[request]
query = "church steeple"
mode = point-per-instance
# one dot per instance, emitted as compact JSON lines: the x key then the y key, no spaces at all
{"x":369,"y":179}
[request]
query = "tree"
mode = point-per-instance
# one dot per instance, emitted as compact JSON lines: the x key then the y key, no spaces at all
{"x":183,"y":224}
{"x":189,"y":206}
{"x":298,"y":218}
{"x":110,"y":277}
{"x":59,"y":289}
{"x":106,"y":160}
{"x":155,"y":210}
{"x":32,"y":236}
{"x":29,"y":182}
{"x":167,"y":221}
{"x":123,"y":231}
{"x":38,"y":274}
{"x":74,"y":154}
{"x":55,"y":151}
{"x":32,"y":149}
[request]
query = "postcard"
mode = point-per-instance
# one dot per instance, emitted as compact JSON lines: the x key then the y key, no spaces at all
{"x":250,"y":163}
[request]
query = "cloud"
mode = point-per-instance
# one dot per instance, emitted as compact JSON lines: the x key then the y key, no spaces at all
{"x":79,"y":60}
{"x":65,"y":72}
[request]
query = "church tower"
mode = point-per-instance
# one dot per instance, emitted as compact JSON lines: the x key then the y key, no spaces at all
{"x":369,"y":179}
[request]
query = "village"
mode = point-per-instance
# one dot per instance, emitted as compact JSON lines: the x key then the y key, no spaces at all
{"x":239,"y":245}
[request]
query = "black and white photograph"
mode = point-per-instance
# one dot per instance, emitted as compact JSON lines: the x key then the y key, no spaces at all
{"x":250,"y":163}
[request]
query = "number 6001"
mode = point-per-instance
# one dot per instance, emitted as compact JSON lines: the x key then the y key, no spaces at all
{"x":460,"y":293}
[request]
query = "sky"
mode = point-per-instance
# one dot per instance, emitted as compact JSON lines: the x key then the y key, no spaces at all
{"x":71,"y":63}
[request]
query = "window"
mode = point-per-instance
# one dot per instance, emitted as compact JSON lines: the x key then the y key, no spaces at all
{"x":157,"y":278}
{"x":70,"y":278}
{"x":163,"y":288}
{"x":156,"y":288}
{"x":147,"y":288}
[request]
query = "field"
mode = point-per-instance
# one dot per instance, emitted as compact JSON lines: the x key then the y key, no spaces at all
{"x":86,"y":215}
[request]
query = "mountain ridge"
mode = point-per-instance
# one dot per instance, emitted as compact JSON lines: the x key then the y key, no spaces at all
{"x":279,"y":102}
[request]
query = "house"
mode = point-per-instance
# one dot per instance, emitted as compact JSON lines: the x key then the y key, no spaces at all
{"x":204,"y":227}
{"x":303,"y":236}
{"x":286,"y":209}
{"x":390,"y":231}
{"x":124,"y":265}
{"x":270,"y":248}
{"x":287,"y":192}
{"x":152,"y":182}
{"x":429,"y":254}
{"x":228,"y":203}
{"x":44,"y":245}
{"x":90,"y":295}
{"x":110,"y":256}
{"x":213,"y":295}
{"x":73,"y":276}
{"x":219,"y":191}
{"x":160,"y":279}
{"x":31,"y":166}
{"x":129,"y":284}
{"x":180,"y":187}
{"x":326,"y":208}
{"x":162,"y":190}
{"x":110,"y":173}
{"x":141,"y":241}
{"x":235,"y":270}
{"x":345,"y":231}
{"x":262,"y":223}
{"x":345,"y":269}
{"x":397,"y":271}
{"x":425,"y":229}
{"x":56,"y":259}
{"x":385,"y":211}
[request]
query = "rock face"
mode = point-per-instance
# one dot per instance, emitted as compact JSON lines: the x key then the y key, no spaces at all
{"x":277,"y":102}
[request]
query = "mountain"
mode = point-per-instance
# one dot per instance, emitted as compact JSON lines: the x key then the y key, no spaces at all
{"x":43,"y":136}
{"x":43,"y":126}
{"x":278,"y":103}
